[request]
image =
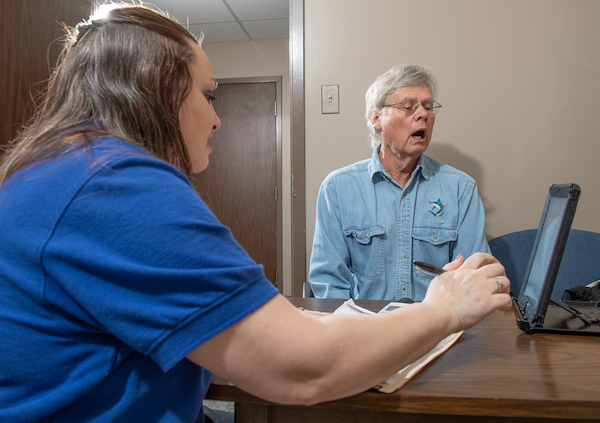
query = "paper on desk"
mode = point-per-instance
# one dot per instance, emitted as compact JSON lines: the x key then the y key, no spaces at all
{"x":398,"y":380}
{"x":350,"y":307}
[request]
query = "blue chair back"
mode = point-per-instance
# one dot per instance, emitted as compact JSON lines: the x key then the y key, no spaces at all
{"x":580,"y":264}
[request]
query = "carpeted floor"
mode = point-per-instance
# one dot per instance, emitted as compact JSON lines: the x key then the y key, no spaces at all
{"x":218,"y":411}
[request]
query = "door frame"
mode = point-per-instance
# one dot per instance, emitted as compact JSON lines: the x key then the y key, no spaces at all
{"x":298,"y":259}
{"x":278,"y":83}
{"x":297,"y":150}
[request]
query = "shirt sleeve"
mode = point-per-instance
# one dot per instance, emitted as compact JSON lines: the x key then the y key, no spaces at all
{"x":330,"y":275}
{"x":142,"y":258}
{"x":471,"y":232}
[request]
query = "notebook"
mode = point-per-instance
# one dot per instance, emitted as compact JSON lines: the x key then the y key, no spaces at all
{"x":538,"y":312}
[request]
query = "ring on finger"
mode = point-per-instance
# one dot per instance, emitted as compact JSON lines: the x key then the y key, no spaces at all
{"x":500,"y":284}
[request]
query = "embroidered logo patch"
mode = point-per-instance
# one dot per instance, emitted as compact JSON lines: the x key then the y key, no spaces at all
{"x":437,"y":208}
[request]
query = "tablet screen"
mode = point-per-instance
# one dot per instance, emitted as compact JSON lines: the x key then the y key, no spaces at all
{"x":540,"y":265}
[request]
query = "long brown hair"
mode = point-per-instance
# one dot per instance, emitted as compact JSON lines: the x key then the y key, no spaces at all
{"x":126,"y":76}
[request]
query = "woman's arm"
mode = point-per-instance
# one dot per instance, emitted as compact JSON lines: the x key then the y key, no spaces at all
{"x":284,"y":355}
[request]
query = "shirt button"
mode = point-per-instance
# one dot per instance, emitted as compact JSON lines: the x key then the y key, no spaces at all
{"x":403,"y":288}
{"x":366,"y":238}
{"x":435,"y":238}
{"x":403,"y":256}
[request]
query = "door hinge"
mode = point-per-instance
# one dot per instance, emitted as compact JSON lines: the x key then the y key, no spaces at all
{"x":276,"y":278}
{"x":275,"y":108}
{"x":275,"y":194}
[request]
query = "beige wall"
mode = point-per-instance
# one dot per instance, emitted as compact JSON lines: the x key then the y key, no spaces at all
{"x":263,"y":58}
{"x":519,"y":84}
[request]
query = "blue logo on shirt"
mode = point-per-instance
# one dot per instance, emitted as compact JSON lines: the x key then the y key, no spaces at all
{"x":437,"y":208}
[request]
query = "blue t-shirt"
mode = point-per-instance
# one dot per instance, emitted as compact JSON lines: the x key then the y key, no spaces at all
{"x":112,"y":269}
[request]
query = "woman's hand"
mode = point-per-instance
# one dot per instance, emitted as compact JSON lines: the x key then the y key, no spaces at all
{"x":470,"y":290}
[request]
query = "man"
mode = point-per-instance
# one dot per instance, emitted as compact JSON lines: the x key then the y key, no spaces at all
{"x":376,"y":216}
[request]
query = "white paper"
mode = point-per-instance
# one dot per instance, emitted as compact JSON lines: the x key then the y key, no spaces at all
{"x":350,"y":307}
{"x":394,"y":382}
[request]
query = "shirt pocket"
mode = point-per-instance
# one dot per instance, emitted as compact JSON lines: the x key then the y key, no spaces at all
{"x":432,"y":245}
{"x":366,"y":246}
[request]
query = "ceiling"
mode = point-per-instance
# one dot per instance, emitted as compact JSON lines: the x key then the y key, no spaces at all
{"x":230,"y":20}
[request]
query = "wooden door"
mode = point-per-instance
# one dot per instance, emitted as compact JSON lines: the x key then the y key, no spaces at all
{"x":240,"y":182}
{"x":30,"y":31}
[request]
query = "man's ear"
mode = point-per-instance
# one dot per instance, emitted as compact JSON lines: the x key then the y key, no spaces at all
{"x":375,"y":119}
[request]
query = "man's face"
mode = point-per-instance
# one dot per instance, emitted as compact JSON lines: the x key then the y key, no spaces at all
{"x":404,"y":135}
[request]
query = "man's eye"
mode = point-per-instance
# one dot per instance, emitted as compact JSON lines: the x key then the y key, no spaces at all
{"x":210,"y":99}
{"x":428,"y":106}
{"x":408,"y":105}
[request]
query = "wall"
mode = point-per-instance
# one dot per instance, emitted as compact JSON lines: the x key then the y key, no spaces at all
{"x":263,"y":58}
{"x":519,"y":84}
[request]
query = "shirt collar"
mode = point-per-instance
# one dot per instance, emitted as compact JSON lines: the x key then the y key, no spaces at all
{"x":378,"y":173}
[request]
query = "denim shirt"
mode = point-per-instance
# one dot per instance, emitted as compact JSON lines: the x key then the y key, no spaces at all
{"x":369,"y":229}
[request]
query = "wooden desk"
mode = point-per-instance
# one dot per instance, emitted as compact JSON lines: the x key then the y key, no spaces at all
{"x":494,"y":373}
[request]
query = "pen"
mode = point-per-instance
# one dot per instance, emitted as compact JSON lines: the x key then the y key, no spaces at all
{"x":428,"y":269}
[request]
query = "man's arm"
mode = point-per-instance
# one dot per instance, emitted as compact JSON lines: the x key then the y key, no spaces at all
{"x":329,"y":274}
{"x":284,"y":355}
{"x":471,"y":230}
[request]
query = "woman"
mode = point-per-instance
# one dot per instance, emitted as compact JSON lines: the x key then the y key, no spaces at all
{"x":120,"y":292}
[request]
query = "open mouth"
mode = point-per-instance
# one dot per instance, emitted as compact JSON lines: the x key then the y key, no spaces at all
{"x":420,"y":134}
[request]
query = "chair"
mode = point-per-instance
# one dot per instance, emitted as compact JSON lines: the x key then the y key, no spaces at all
{"x":580,"y":264}
{"x":307,"y":291}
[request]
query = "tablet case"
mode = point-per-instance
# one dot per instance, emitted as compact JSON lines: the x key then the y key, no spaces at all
{"x":538,"y":312}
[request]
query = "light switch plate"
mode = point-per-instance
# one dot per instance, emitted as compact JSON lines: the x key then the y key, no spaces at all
{"x":330,"y":99}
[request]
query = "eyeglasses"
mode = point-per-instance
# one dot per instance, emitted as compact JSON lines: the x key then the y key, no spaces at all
{"x":410,"y":106}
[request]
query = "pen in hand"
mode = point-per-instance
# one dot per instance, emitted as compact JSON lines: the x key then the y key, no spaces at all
{"x":428,"y":269}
